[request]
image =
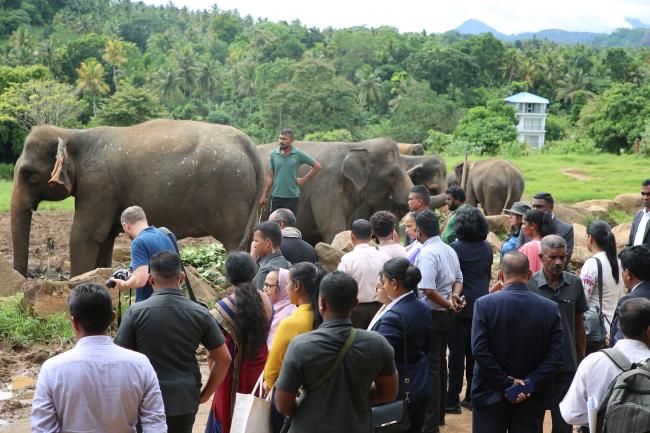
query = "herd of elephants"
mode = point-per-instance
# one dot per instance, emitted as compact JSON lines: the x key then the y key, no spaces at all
{"x":200,"y":179}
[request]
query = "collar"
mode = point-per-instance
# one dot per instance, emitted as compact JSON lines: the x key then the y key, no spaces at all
{"x":94,"y":340}
{"x":431,"y":240}
{"x":630,"y":343}
{"x":269,"y":256}
{"x":515,"y":286}
{"x":637,"y":285}
{"x":291,"y":232}
{"x":304,"y":307}
{"x":645,"y":212}
{"x":279,"y":152}
{"x":541,"y":280}
{"x":168,"y":291}
{"x":336,"y":323}
{"x":398,"y":299}
{"x":361,"y":246}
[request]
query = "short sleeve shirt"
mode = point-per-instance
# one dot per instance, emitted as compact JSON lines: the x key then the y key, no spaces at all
{"x":342,"y":403}
{"x":571,"y":300}
{"x":148,"y":242}
{"x":285,"y":170}
{"x":440,"y":268}
{"x":168,"y":329}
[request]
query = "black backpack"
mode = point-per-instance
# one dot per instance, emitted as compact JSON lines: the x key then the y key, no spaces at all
{"x":625,"y":407}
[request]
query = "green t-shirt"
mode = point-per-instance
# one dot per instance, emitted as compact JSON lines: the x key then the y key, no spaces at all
{"x":285,"y":170}
{"x":449,"y":233}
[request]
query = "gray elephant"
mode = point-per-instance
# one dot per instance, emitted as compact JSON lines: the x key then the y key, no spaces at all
{"x":494,"y":183}
{"x":410,"y":148}
{"x":195,"y":178}
{"x":427,"y":170}
{"x":353,"y":176}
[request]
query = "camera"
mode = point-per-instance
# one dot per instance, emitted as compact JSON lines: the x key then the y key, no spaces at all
{"x":120,"y":274}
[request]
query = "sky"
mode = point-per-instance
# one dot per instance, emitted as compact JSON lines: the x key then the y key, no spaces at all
{"x":506,"y":16}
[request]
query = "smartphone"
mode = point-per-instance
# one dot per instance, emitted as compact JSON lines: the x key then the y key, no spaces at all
{"x":516,"y":389}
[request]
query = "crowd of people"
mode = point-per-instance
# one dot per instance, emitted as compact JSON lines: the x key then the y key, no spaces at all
{"x":394,"y":322}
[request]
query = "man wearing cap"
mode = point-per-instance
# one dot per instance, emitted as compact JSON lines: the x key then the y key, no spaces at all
{"x":516,"y":214}
{"x":282,"y":179}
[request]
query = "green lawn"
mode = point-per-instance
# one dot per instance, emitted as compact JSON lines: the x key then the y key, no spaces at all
{"x":612,"y":175}
{"x":5,"y":200}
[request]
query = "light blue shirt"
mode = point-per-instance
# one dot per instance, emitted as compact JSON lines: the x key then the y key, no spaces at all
{"x":440,"y":269}
{"x":100,"y":387}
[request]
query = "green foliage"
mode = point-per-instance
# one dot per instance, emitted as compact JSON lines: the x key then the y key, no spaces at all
{"x":514,"y":149}
{"x":582,"y":146}
{"x":6,"y":171}
{"x":437,"y":142}
{"x":18,"y":327}
{"x":22,"y":74}
{"x":208,"y":260}
{"x":556,"y":127}
{"x":129,"y":106}
{"x":336,"y":135}
{"x":12,"y":137}
{"x":487,"y":127}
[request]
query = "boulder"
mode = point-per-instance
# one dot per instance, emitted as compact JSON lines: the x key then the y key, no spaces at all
{"x":622,"y":234}
{"x":328,"y":256}
{"x":343,"y":242}
{"x":122,"y":253}
{"x":498,"y":223}
{"x":494,"y":242}
{"x":630,"y":202}
{"x":202,"y":290}
{"x":598,"y":208}
{"x":11,"y":281}
{"x":571,"y":214}
{"x":43,"y":298}
{"x":580,"y":251}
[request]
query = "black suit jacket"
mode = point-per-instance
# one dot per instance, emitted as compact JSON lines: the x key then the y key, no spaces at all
{"x":515,"y":333}
{"x":635,"y":227}
{"x":640,"y":291}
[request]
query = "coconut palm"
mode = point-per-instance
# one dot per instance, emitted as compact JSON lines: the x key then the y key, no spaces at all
{"x":369,"y":85}
{"x":187,"y":69}
{"x":169,"y":82}
{"x":574,"y":82}
{"x":114,"y":56}
{"x":91,"y":80}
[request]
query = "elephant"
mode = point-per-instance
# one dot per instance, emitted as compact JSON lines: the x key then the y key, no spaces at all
{"x":353,"y":176}
{"x":410,"y":148}
{"x":494,"y":183}
{"x":197,"y":179}
{"x":427,"y":170}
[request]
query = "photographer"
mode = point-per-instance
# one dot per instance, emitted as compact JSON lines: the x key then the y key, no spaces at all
{"x":146,"y":241}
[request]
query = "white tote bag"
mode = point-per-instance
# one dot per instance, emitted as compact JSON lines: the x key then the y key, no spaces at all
{"x":252,"y":414}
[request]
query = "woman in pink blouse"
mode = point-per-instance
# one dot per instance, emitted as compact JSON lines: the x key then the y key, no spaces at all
{"x":535,"y":224}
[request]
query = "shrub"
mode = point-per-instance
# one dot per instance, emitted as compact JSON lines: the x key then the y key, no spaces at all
{"x":335,"y":135}
{"x":514,"y":149}
{"x":437,"y":142}
{"x":209,"y":262}
{"x":6,"y":171}
{"x":582,"y":146}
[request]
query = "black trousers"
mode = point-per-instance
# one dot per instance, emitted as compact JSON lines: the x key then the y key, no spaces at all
{"x":461,"y":361}
{"x":286,"y":203}
{"x":363,"y":314}
{"x":502,"y":417}
{"x":416,"y":410}
{"x":560,"y":385}
{"x":442,"y":325}
{"x":180,"y":423}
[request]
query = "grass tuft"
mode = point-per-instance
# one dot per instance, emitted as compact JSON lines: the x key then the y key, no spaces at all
{"x":17,"y":327}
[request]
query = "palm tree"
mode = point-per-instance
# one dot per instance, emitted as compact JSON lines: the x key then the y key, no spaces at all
{"x":114,"y":56}
{"x":207,"y":78}
{"x":512,"y":64}
{"x":187,"y":69}
{"x":91,"y":80}
{"x":574,"y":82}
{"x":369,"y":84}
{"x":169,"y":82}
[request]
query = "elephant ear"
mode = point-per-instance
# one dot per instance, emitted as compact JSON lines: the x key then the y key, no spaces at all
{"x":416,"y":173}
{"x":59,"y":177}
{"x":355,"y":167}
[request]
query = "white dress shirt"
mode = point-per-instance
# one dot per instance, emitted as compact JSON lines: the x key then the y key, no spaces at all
{"x":640,"y":230}
{"x":364,"y":263}
{"x":594,"y":375}
{"x":97,"y":386}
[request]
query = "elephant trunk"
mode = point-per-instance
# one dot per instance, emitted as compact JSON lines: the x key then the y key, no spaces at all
{"x":21,"y":220}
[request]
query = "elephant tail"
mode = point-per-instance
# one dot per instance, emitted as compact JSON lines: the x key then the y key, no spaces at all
{"x":256,"y":210}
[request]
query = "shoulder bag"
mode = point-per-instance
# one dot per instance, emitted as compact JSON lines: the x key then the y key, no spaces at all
{"x":595,"y":330}
{"x":394,"y":417}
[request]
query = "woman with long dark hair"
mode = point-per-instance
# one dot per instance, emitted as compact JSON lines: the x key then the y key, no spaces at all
{"x":602,"y":244}
{"x":244,"y":318}
{"x":535,"y":224}
{"x":406,"y":324}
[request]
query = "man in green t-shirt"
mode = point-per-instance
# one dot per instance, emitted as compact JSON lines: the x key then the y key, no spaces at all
{"x":282,"y":179}
{"x":455,"y":200}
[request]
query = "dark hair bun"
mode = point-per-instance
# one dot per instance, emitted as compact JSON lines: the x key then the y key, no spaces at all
{"x":412,"y":277}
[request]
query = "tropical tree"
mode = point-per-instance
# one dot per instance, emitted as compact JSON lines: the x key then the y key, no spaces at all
{"x":369,"y":85}
{"x":91,"y":80}
{"x":187,"y":69}
{"x":169,"y":82}
{"x":114,"y":55}
{"x":574,"y":82}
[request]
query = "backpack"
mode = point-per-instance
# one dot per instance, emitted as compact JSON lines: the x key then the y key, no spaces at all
{"x":625,"y":407}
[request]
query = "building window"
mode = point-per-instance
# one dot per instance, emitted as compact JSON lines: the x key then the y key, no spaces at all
{"x":533,"y":124}
{"x":533,"y":140}
{"x":531,"y":108}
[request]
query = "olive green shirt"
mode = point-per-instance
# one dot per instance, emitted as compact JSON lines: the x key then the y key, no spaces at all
{"x":449,"y":233}
{"x":285,"y":170}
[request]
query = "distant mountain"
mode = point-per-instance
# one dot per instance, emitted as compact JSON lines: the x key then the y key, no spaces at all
{"x":638,"y":36}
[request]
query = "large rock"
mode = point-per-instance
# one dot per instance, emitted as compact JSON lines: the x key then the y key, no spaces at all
{"x":622,"y":234}
{"x":328,"y":256}
{"x":597,"y":208}
{"x":580,"y":251}
{"x":11,"y":281}
{"x":494,"y":242}
{"x":498,"y":223}
{"x":343,"y":242}
{"x":571,"y":214}
{"x":122,"y":253}
{"x":43,"y":298}
{"x":629,"y":203}
{"x":202,"y":290}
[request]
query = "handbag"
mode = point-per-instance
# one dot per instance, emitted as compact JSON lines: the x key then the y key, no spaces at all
{"x":252,"y":414}
{"x":394,"y":417}
{"x":595,"y":330}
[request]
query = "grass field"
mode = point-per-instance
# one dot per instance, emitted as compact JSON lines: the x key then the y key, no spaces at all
{"x":606,"y":177}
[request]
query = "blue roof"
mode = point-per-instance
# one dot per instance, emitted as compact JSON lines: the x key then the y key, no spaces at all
{"x":526,"y":97}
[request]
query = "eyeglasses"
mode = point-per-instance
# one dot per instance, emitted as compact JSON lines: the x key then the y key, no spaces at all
{"x":268,"y":286}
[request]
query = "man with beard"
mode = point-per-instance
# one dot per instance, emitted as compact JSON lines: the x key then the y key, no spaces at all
{"x":282,"y":179}
{"x":640,"y":233}
{"x":553,"y":283}
{"x":455,"y":200}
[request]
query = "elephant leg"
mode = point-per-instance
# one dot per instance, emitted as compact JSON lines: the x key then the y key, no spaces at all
{"x":470,"y":194}
{"x":87,"y":237}
{"x":105,"y":254}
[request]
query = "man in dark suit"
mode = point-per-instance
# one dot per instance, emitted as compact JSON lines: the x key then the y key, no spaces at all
{"x":640,"y":233}
{"x":635,"y":262}
{"x":293,"y":248}
{"x":516,"y":335}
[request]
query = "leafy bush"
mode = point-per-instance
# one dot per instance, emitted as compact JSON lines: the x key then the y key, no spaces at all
{"x":644,"y":148}
{"x":488,"y":127}
{"x":514,"y":149}
{"x":18,"y":327}
{"x":6,"y":171}
{"x":556,"y":127}
{"x":583,"y":146}
{"x":335,"y":135}
{"x":209,"y":262}
{"x":437,"y":142}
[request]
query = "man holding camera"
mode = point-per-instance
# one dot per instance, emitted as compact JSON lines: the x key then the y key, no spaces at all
{"x":146,"y":241}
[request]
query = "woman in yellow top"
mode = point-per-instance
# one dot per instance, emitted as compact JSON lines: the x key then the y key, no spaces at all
{"x":302,"y":287}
